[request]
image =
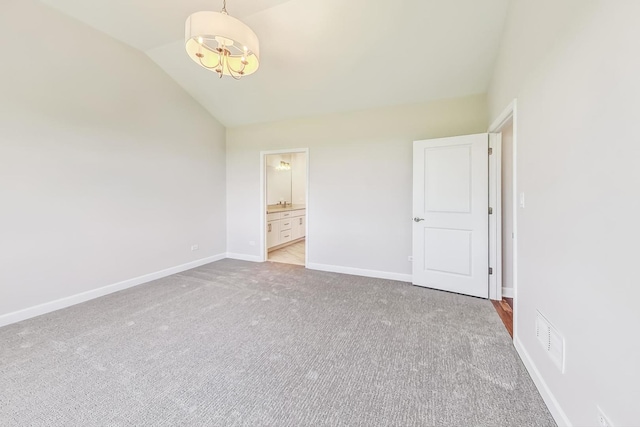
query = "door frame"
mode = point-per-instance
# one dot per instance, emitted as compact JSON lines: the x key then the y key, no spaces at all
{"x":495,"y":219}
{"x":264,"y":252}
{"x":510,"y":113}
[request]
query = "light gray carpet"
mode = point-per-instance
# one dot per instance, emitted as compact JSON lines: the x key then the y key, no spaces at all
{"x":237,"y":343}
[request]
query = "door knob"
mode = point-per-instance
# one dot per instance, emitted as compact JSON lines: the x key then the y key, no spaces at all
{"x":416,"y":219}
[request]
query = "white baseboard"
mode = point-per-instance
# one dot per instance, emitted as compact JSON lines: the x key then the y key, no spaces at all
{"x":507,"y":292}
{"x":361,"y":272}
{"x":554,"y":407}
{"x":243,"y":257}
{"x":47,"y":307}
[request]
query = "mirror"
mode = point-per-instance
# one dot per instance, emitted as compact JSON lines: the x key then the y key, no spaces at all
{"x":286,"y":179}
{"x":278,"y":179}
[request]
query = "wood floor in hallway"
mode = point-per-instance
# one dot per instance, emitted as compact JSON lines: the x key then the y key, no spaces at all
{"x":505,"y":311}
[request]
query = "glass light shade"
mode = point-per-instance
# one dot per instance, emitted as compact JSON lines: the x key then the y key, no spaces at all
{"x":283,"y":166}
{"x":206,"y":32}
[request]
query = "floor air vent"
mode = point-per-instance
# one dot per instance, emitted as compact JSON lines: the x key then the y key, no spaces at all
{"x":551,"y":340}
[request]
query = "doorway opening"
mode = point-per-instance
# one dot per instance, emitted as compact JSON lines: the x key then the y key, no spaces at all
{"x":284,"y":204}
{"x":503,"y":228}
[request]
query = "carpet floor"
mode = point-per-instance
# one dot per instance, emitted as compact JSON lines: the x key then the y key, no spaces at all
{"x":234,"y":343}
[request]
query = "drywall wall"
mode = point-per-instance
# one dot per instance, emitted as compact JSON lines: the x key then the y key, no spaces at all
{"x":578,"y":153}
{"x":108,"y":170}
{"x":360,"y":179}
{"x":507,"y":209}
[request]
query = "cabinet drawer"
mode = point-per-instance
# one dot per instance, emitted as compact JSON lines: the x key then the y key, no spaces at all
{"x":299,"y":212}
{"x":285,"y":224}
{"x":272,"y":216}
{"x":286,"y":214}
{"x":285,"y":236}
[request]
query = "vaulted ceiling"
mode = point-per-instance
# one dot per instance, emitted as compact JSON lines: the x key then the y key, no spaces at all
{"x":318,"y":56}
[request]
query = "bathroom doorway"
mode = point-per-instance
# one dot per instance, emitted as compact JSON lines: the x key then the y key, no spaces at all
{"x":284,"y":206}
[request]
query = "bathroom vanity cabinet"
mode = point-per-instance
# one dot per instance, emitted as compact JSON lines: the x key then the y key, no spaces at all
{"x":284,"y":226}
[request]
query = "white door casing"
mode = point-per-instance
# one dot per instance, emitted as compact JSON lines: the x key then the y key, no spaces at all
{"x":264,"y":249}
{"x":495,"y":219}
{"x":450,"y":209}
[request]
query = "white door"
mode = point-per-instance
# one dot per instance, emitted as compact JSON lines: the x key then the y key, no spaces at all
{"x":450,"y":209}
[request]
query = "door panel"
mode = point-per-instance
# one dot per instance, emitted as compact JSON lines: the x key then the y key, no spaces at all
{"x":450,"y":237}
{"x":448,"y":179}
{"x":439,"y":243}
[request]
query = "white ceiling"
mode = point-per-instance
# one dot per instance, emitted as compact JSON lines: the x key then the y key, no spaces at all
{"x":318,"y":56}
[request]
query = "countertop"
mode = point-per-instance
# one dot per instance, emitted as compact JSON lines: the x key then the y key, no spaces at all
{"x":280,"y":208}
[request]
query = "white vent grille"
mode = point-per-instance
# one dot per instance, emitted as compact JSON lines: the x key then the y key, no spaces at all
{"x":551,"y":340}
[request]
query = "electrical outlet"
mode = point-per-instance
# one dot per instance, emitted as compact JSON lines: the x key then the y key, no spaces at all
{"x":603,"y":421}
{"x":194,"y":248}
{"x":410,"y":258}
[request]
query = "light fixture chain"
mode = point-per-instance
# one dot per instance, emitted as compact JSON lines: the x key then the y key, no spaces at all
{"x":224,"y":7}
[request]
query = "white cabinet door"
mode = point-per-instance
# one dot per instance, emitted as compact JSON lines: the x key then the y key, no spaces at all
{"x":302,"y":223}
{"x":273,"y":233}
{"x":297,"y":228}
{"x":450,"y":205}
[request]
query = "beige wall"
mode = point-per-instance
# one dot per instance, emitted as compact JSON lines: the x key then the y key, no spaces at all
{"x":533,"y":30}
{"x":360,"y":179}
{"x":574,"y":67}
{"x":108,"y":170}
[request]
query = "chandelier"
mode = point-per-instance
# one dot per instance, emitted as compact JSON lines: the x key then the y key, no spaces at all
{"x":221,"y":43}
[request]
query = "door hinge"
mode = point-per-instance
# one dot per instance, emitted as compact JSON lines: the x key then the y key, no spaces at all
{"x":490,"y":271}
{"x":490,"y":151}
{"x":490,"y":211}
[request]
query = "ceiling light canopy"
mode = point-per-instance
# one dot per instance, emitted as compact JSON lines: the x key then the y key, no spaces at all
{"x":221,"y":43}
